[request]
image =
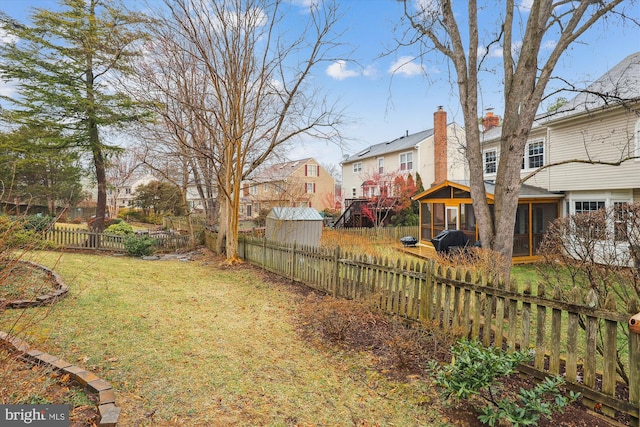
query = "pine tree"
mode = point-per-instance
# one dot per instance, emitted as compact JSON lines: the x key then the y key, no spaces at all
{"x":65,"y":63}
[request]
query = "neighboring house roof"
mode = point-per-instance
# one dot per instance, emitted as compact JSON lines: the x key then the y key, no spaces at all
{"x":278,"y":171}
{"x":618,"y":85}
{"x":491,"y":134}
{"x":294,"y":214}
{"x":403,"y":143}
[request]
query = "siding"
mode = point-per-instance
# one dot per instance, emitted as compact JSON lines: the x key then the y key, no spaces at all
{"x":606,"y":137}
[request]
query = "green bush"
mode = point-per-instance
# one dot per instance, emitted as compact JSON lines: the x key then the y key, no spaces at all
{"x":129,"y":214}
{"x":139,"y":245}
{"x":14,"y":233}
{"x":121,"y":229}
{"x":473,"y":372}
{"x":38,"y":223}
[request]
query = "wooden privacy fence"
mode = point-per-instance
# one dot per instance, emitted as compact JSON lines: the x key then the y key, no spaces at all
{"x":87,"y":239}
{"x":572,"y":339}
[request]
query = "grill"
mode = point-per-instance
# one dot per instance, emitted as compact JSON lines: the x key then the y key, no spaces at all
{"x":409,"y":241}
{"x":449,"y":240}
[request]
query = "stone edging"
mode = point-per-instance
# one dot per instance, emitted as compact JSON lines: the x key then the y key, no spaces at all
{"x":61,"y":291}
{"x":107,"y":409}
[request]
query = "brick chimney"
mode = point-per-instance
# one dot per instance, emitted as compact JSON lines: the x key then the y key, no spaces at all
{"x":440,"y":146}
{"x":490,"y":121}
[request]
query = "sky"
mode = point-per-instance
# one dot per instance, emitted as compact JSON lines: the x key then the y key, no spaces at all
{"x":384,"y":100}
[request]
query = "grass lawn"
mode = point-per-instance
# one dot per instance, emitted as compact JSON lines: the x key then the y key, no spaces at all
{"x":195,"y":344}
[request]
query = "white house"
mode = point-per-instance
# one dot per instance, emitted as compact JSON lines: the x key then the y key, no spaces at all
{"x":583,"y":157}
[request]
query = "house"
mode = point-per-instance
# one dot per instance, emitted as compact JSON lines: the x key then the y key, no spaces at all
{"x":297,"y":183}
{"x":124,"y":195}
{"x":568,"y":164}
{"x":435,"y":154}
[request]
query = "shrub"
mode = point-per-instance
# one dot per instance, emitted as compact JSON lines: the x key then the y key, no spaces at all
{"x":15,"y":234}
{"x":121,"y":229}
{"x":473,"y":372}
{"x":38,"y":223}
{"x":131,"y":214}
{"x":139,"y":245}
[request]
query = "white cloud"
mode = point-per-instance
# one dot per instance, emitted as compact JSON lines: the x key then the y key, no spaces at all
{"x":338,"y":70}
{"x":406,"y":66}
{"x":525,"y":5}
{"x":429,"y":9}
{"x":8,"y":88}
{"x":370,"y":71}
{"x":6,"y":37}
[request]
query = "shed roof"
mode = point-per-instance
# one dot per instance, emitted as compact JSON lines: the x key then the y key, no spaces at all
{"x":294,"y":214}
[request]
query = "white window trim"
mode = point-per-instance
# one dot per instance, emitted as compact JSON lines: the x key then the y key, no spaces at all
{"x":526,"y":154}
{"x":357,"y":167}
{"x":484,"y":161}
{"x":400,"y":162}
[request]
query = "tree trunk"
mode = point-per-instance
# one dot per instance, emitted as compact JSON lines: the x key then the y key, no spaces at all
{"x":101,"y":178}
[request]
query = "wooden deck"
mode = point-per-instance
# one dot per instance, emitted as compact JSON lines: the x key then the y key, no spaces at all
{"x":421,"y":250}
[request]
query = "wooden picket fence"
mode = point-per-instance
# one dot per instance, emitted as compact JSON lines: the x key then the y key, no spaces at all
{"x":379,"y":234}
{"x":87,"y":239}
{"x":561,"y":331}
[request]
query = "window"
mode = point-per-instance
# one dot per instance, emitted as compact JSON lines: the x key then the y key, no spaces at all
{"x":490,"y":161}
{"x":406,"y":161}
{"x":381,"y":165}
{"x":266,"y":187}
{"x":621,"y":220}
{"x":591,"y":227}
{"x":311,"y":170}
{"x":253,"y":190}
{"x":357,"y":167}
{"x":354,"y":192}
{"x":534,"y":155}
{"x":311,"y":187}
{"x":127,"y":190}
{"x":590,"y":206}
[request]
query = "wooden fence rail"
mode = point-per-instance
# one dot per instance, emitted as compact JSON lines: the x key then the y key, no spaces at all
{"x":87,"y":239}
{"x":567,"y":336}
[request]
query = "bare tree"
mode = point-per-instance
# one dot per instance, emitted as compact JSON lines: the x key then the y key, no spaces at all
{"x":176,"y":145}
{"x":527,"y":69}
{"x":256,"y":96}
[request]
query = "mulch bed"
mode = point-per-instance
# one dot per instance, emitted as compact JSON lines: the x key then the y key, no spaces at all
{"x":435,"y":347}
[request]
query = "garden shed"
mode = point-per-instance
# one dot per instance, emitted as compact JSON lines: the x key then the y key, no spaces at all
{"x":302,"y":226}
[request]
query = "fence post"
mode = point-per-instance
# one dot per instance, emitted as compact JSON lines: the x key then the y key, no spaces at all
{"x":293,"y":261}
{"x":264,"y":252}
{"x":426,"y":291}
{"x":336,"y":271}
{"x":634,"y":365}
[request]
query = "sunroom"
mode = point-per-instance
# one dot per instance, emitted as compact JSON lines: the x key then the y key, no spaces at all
{"x":448,"y":206}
